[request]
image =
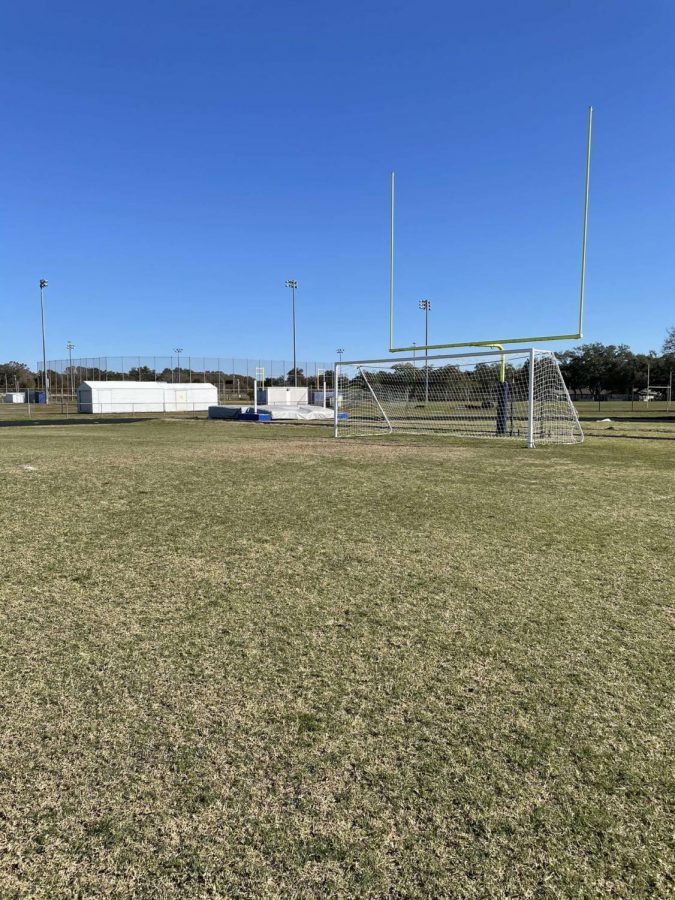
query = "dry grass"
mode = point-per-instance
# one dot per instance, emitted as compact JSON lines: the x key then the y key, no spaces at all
{"x":250,"y":661}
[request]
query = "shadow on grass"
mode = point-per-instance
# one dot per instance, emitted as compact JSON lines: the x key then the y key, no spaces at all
{"x":19,"y":423}
{"x":634,"y":437}
{"x":621,"y":418}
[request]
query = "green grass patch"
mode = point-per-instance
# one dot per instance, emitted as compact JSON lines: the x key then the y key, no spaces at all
{"x":588,"y":409}
{"x":243,"y":660}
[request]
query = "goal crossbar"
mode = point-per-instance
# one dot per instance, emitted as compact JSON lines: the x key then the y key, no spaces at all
{"x":423,"y":357}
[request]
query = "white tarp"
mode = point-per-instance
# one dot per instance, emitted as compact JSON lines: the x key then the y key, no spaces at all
{"x":298,"y":411}
{"x":144,"y":396}
{"x":281,"y":412}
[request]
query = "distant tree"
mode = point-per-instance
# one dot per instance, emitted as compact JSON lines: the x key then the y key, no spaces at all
{"x":16,"y":375}
{"x":600,"y":368}
{"x":572,"y":368}
{"x":290,"y":378}
{"x":142,"y":373}
{"x":668,"y":348}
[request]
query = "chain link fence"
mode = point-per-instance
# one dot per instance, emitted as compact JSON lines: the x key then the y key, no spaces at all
{"x":232,"y":376}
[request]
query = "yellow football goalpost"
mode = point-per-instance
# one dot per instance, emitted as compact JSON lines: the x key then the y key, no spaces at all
{"x":498,"y":343}
{"x":464,"y":394}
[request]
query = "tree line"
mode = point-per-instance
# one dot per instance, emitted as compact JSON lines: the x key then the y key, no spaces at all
{"x":600,"y":369}
{"x":589,"y":370}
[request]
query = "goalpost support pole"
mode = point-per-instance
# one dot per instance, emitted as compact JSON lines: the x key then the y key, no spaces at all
{"x":255,"y":395}
{"x":502,"y":393}
{"x":530,"y":402}
{"x":502,"y":407}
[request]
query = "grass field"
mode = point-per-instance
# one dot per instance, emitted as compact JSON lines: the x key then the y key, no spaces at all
{"x":243,"y":660}
{"x":592,"y":409}
{"x":587,"y":410}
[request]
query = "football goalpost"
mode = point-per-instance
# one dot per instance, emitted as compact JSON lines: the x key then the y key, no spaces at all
{"x":488,"y":393}
{"x":506,"y":394}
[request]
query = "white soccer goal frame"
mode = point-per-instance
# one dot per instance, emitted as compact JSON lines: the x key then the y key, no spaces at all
{"x":572,"y":434}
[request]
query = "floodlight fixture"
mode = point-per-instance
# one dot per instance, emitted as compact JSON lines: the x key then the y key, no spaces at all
{"x":178,"y":351}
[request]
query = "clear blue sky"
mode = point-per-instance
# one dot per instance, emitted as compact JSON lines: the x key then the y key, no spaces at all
{"x":168,"y":165}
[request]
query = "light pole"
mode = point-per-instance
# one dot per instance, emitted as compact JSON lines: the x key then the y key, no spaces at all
{"x":178,"y":351}
{"x":70,"y":346}
{"x":425,"y":306}
{"x":339,"y":351}
{"x":415,"y":354}
{"x":43,"y":285}
{"x":293,"y":284}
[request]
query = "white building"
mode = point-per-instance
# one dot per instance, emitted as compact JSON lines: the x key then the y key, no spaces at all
{"x":282,"y":396}
{"x":144,"y":396}
{"x":15,"y":397}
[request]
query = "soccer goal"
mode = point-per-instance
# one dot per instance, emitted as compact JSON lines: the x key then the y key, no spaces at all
{"x":504,"y":394}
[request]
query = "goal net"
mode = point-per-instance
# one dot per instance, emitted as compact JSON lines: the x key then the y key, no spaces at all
{"x":517,"y":394}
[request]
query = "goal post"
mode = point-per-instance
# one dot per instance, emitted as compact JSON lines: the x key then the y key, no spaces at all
{"x":505,"y":394}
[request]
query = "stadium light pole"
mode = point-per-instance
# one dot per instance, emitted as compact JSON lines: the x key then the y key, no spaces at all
{"x":425,"y":306}
{"x":43,"y":285}
{"x":339,"y":351}
{"x":293,"y":285}
{"x":70,"y":346}
{"x":178,"y":351}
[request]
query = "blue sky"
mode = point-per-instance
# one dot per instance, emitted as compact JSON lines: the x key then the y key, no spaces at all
{"x":168,"y":165}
